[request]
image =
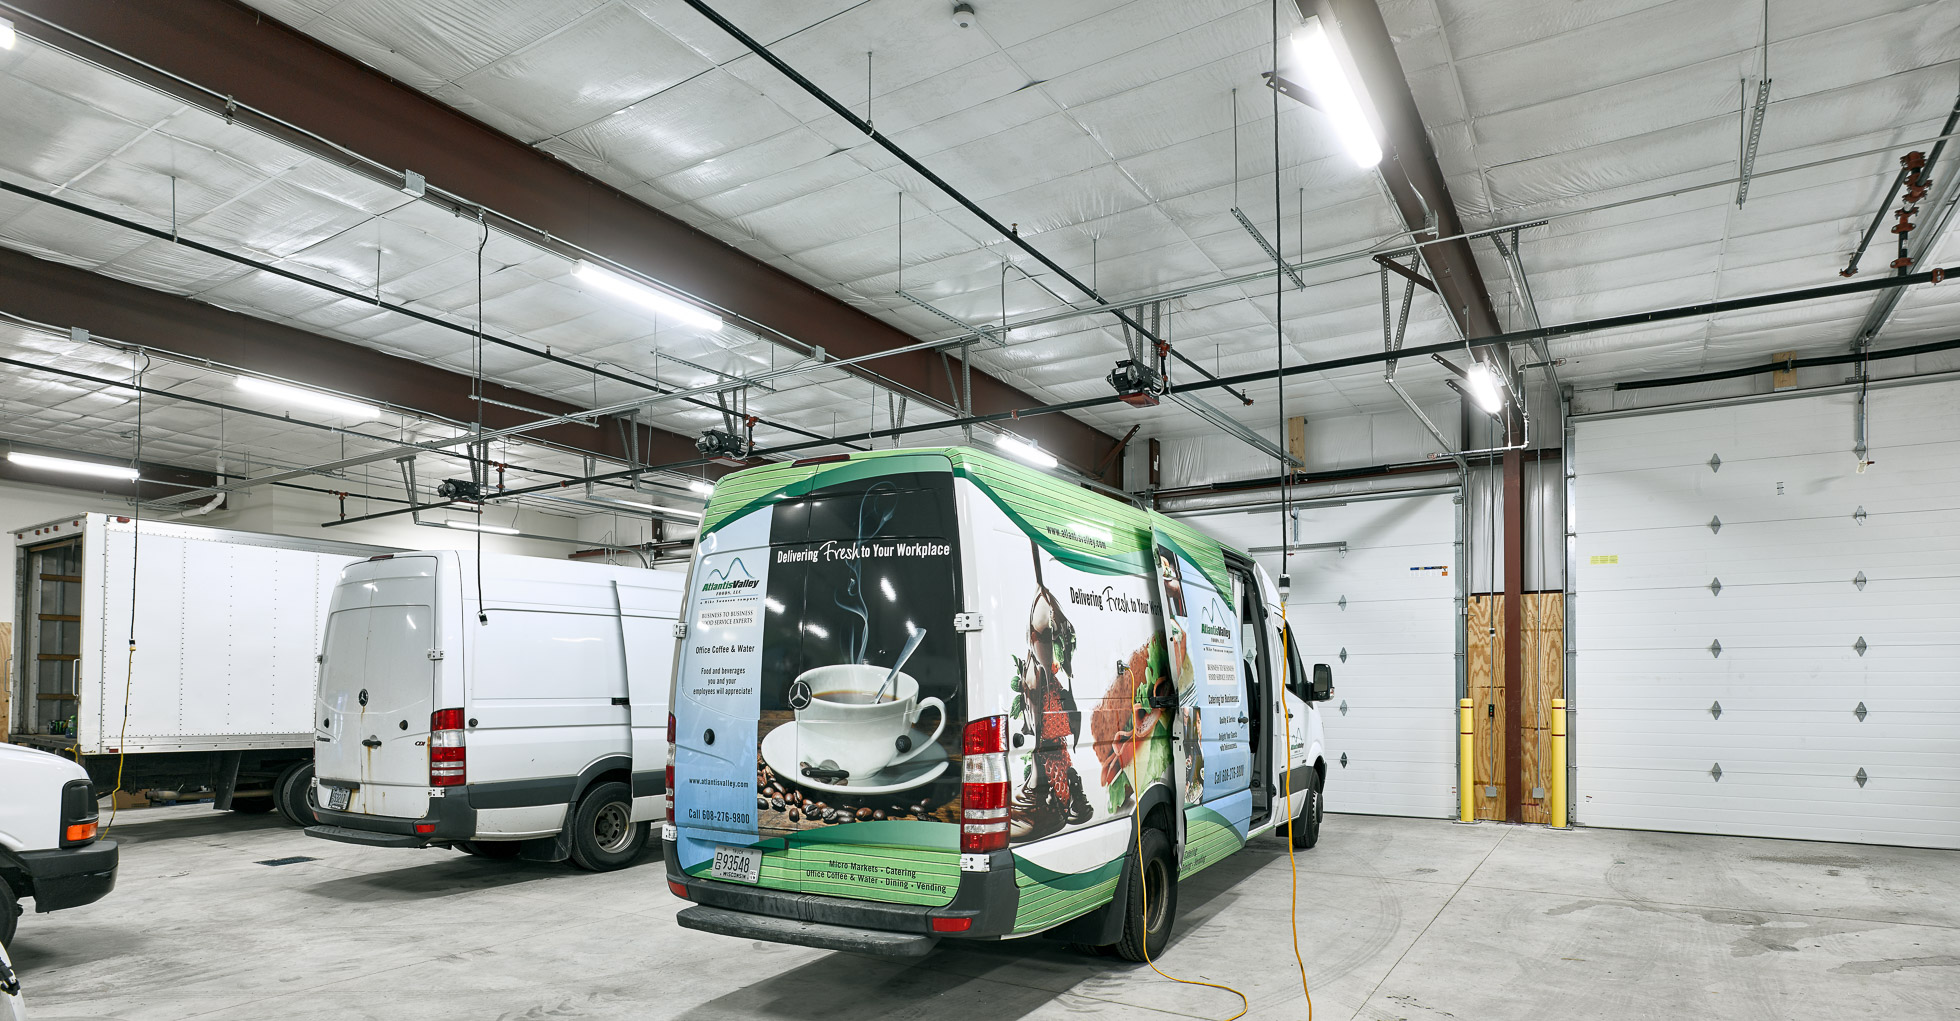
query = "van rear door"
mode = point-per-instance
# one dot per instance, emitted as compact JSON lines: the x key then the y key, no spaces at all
{"x":377,"y":687}
{"x":799,"y":609}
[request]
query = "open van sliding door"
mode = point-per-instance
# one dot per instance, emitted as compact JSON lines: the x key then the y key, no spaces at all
{"x":1259,"y":680}
{"x":1202,"y":641}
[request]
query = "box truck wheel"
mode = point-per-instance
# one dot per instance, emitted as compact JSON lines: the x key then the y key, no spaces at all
{"x":1306,"y":825}
{"x":604,"y":835}
{"x":1147,"y":925}
{"x":294,"y":793}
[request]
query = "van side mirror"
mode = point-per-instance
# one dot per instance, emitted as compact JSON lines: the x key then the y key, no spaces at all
{"x":1323,"y":683}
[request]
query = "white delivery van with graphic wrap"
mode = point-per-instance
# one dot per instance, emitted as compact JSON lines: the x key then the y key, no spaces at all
{"x":516,"y":710}
{"x":934,"y":693}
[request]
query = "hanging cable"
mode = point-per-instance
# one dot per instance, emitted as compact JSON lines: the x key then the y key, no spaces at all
{"x":135,"y":556}
{"x":476,"y":390}
{"x":1285,"y":543}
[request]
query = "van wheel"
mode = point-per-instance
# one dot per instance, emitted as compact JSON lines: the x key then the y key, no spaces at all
{"x":294,"y":793}
{"x":604,"y":837}
{"x":1305,"y":828}
{"x":1147,"y":921}
{"x":490,"y":848}
{"x":9,"y":913}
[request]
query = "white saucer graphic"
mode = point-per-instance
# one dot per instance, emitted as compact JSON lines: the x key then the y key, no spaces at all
{"x":779,"y":751}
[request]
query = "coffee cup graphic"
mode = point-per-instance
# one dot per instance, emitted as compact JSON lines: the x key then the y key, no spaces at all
{"x":845,"y":727}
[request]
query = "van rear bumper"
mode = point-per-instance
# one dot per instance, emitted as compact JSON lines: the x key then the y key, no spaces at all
{"x":986,"y":902}
{"x":366,"y":838}
{"x":451,"y":818}
{"x":821,"y":936}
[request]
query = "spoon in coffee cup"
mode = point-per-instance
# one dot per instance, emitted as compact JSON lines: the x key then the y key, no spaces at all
{"x":911,"y":646}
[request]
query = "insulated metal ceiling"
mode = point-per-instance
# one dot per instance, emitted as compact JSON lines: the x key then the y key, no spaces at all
{"x":1105,"y":130}
{"x":1109,"y":132}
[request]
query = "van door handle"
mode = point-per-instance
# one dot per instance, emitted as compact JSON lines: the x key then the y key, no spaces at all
{"x":622,"y":701}
{"x":372,"y":742}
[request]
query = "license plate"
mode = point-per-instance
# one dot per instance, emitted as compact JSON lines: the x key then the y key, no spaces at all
{"x":337,"y":799}
{"x":741,"y":864}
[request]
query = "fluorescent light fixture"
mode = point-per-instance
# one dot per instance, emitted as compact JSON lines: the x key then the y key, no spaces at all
{"x":62,"y":464}
{"x":6,"y":34}
{"x":1022,"y":450}
{"x":307,"y":398}
{"x":474,"y":527}
{"x":640,"y":294}
{"x":651,"y":507}
{"x":1484,"y":388}
{"x":885,"y":586}
{"x":1334,"y":95}
{"x":702,"y":487}
{"x":816,"y":629}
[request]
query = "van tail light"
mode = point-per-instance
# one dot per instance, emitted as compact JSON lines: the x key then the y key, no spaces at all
{"x":448,"y":759}
{"x":672,"y":730}
{"x":983,"y":794}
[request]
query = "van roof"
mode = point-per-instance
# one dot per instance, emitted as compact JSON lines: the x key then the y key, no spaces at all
{"x":1069,"y":520}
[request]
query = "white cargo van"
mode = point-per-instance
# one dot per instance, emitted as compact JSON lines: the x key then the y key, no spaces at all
{"x":519,"y":711}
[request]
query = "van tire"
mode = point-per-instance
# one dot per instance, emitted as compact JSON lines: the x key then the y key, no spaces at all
{"x":294,"y":793}
{"x":490,"y":848}
{"x":1306,"y":826}
{"x":1146,"y":932}
{"x":604,"y":837}
{"x":9,"y":913}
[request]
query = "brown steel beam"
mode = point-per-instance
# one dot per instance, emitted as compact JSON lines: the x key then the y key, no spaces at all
{"x":1422,"y":199}
{"x":238,"y":52}
{"x":1515,"y":781}
{"x":1413,"y":276}
{"x":49,"y":292}
{"x":1409,"y":169}
{"x":1414,"y":178}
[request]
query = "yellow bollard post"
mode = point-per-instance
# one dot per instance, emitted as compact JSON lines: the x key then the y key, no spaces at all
{"x":1465,"y":760}
{"x":1558,"y":763}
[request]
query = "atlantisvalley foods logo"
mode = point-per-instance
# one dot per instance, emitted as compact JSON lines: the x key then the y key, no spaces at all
{"x":724,"y":580}
{"x":1215,"y":622}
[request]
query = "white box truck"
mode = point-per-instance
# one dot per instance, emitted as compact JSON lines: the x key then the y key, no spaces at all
{"x":218,"y":689}
{"x":505,"y":706}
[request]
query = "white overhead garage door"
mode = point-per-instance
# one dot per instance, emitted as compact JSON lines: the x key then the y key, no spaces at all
{"x":1388,"y":604}
{"x":1768,"y":640}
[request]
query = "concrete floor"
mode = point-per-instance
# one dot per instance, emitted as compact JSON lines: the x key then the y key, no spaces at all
{"x":1399,"y":919}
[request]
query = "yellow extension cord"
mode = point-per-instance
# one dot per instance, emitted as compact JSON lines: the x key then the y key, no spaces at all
{"x":122,"y":738}
{"x":1293,"y":904}
{"x":1143,"y":881}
